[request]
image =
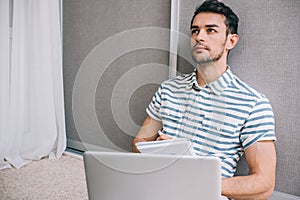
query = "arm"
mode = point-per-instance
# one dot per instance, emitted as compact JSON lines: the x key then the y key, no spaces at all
{"x":148,"y":132}
{"x":260,"y":182}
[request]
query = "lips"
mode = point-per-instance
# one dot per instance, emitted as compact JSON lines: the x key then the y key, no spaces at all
{"x":198,"y":47}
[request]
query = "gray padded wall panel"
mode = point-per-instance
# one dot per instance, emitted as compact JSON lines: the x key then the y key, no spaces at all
{"x":87,"y":23}
{"x":268,"y":58}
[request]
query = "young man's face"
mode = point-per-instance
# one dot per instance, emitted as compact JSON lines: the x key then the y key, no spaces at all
{"x":208,"y":37}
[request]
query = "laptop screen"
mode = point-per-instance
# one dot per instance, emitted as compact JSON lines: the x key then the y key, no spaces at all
{"x":132,"y":176}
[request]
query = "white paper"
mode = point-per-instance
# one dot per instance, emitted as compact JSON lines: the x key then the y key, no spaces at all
{"x":170,"y":147}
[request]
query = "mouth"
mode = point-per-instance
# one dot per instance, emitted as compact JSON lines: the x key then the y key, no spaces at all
{"x":198,"y":47}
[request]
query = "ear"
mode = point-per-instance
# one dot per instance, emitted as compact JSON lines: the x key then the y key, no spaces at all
{"x":232,"y":40}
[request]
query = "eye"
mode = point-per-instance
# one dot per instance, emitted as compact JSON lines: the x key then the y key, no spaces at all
{"x":194,"y":31}
{"x":211,"y":30}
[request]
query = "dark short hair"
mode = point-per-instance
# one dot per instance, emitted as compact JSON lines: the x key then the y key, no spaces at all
{"x":215,"y":6}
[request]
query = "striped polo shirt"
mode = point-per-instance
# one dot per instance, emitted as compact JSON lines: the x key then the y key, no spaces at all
{"x":221,"y":119}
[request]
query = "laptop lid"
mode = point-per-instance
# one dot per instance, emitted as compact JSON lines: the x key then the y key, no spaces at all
{"x":133,"y":176}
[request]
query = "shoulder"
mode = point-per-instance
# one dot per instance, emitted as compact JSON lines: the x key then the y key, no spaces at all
{"x":179,"y":81}
{"x":246,"y":89}
{"x":243,"y":93}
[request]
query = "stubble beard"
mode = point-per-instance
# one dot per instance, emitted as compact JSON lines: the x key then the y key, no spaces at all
{"x":206,"y":59}
{"x":203,"y":58}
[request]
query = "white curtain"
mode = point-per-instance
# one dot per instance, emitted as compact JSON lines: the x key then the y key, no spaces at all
{"x":32,"y":123}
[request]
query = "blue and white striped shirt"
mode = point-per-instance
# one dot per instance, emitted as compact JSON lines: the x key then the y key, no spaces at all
{"x":221,"y":119}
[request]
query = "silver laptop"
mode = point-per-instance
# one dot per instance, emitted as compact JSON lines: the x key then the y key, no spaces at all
{"x":133,"y":176}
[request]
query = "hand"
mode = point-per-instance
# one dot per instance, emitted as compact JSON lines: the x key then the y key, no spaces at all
{"x":164,"y":137}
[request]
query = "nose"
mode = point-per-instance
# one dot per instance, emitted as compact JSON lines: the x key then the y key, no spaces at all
{"x":201,"y":36}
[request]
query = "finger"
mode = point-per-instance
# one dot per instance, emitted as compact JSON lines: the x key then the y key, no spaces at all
{"x":164,"y":137}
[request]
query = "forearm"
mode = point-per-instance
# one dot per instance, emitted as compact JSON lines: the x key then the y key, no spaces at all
{"x":148,"y":132}
{"x":247,"y":187}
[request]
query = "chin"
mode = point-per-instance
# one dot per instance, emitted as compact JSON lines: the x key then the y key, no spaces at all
{"x":202,"y":60}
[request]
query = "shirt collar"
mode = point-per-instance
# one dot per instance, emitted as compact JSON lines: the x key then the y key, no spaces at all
{"x":217,"y":86}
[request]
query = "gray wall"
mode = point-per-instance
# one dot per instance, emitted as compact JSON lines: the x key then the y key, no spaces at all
{"x":268,"y":58}
{"x":87,"y":25}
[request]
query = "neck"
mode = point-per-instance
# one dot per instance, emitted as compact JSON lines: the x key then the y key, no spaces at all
{"x":209,"y":72}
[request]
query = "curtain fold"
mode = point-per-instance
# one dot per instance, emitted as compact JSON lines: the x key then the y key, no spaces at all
{"x":35,"y":115}
{"x":4,"y":80}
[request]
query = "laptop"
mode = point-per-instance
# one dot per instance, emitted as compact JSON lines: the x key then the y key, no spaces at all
{"x":134,"y":176}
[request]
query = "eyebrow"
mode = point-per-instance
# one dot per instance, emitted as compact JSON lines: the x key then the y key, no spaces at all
{"x":207,"y":26}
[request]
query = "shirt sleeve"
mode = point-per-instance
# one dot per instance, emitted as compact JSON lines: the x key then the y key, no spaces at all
{"x":154,"y":107}
{"x":260,"y":124}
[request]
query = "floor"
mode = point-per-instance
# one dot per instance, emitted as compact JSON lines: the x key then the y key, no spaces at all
{"x":45,"y":179}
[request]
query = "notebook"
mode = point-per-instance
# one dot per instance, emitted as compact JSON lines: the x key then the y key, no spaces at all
{"x":133,"y":176}
{"x":171,"y":147}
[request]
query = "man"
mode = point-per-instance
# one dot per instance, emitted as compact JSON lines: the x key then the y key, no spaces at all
{"x":219,"y":113}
